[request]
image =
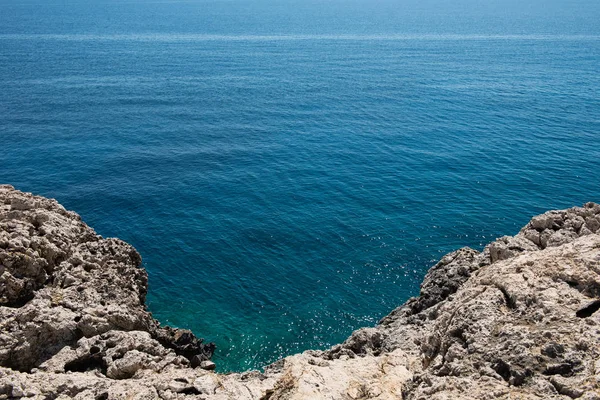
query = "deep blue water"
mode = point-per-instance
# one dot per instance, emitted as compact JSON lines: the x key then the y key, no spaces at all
{"x":289,"y":170}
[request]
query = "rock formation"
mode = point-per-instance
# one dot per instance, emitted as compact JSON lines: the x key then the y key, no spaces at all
{"x":518,"y":320}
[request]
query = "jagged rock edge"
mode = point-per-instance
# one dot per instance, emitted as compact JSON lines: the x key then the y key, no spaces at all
{"x":419,"y":341}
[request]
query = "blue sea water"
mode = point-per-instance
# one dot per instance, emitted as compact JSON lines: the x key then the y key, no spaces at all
{"x":289,"y":170}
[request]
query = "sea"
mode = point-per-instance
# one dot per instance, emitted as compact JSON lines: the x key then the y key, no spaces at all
{"x":290,"y":169}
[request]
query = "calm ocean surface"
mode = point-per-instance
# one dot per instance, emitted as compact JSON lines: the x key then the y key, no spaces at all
{"x":289,"y":170}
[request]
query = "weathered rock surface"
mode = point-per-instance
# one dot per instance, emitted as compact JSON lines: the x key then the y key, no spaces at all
{"x":65,"y":290}
{"x":519,"y":320}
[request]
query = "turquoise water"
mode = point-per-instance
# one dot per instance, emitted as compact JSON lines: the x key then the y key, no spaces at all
{"x":289,"y":170}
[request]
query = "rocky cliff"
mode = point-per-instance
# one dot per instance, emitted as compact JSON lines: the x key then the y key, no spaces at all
{"x":516,"y":321}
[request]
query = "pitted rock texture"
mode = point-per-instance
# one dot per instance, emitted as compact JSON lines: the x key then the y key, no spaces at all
{"x":519,"y":320}
{"x":61,"y":284}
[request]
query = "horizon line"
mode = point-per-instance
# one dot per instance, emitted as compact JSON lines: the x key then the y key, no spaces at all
{"x":178,"y":37}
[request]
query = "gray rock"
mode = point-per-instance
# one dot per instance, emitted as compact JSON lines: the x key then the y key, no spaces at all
{"x":507,"y":247}
{"x":60,"y":281}
{"x":592,"y":223}
{"x":208,"y":365}
{"x":518,"y":320}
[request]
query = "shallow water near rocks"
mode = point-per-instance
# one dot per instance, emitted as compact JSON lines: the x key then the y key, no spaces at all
{"x":290,"y":170}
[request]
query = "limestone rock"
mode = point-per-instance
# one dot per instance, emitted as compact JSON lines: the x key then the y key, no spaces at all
{"x":60,"y":282}
{"x":208,"y":365}
{"x":519,"y":320}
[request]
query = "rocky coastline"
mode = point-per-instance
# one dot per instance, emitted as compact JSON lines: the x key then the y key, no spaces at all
{"x":518,"y":320}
